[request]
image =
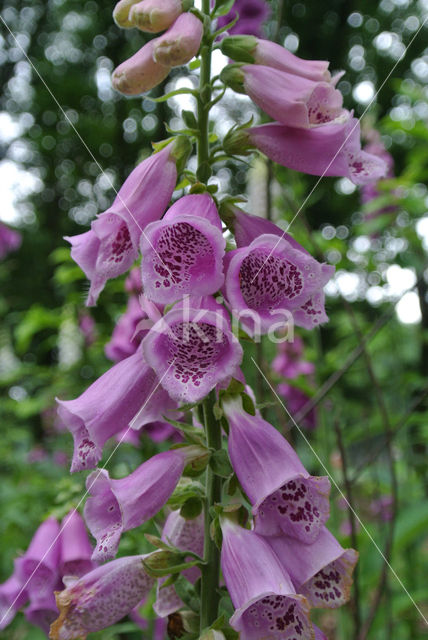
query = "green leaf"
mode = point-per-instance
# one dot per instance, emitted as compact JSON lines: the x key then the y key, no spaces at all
{"x":222,"y":7}
{"x":171,"y":94}
{"x":187,"y":593}
{"x":195,"y":64}
{"x":189,"y":119}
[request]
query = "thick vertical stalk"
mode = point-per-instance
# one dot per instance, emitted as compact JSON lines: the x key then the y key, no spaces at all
{"x":211,"y":570}
{"x":204,"y":170}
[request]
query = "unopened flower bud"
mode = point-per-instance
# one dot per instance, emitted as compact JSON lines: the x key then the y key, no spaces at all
{"x":157,"y":15}
{"x":180,"y":43}
{"x":140,"y":73}
{"x":121,"y":13}
{"x":240,"y":48}
{"x":237,"y":142}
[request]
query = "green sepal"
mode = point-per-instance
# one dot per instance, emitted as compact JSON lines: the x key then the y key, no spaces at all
{"x":239,"y":48}
{"x":185,"y":490}
{"x":220,"y":464}
{"x":162,"y":563}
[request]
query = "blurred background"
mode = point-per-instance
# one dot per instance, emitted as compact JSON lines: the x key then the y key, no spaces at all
{"x":66,"y":137}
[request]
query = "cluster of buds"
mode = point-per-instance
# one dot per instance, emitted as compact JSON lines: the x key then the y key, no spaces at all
{"x":313,"y":133}
{"x":152,"y":63}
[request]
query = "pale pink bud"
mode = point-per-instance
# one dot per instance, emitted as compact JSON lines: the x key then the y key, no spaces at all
{"x":157,"y":15}
{"x":180,"y":43}
{"x":121,"y":13}
{"x":139,"y":73}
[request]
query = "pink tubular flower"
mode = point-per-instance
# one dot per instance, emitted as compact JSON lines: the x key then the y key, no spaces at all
{"x":180,"y":43}
{"x":116,"y":506}
{"x":128,"y":391}
{"x":192,"y":349}
{"x":262,"y":593}
{"x":76,"y":550}
{"x":140,"y":73}
{"x":289,"y":362}
{"x":295,"y":401}
{"x":331,"y":150}
{"x":13,"y":595}
{"x":252,"y":14}
{"x":271,"y":279}
{"x":269,"y":54}
{"x":111,"y":246}
{"x":39,"y":567}
{"x":157,"y":15}
{"x":100,"y":598}
{"x":186,"y":535}
{"x":288,"y":98}
{"x":322,"y":571}
{"x":285,"y":497}
{"x":10,"y":240}
{"x":183,"y":253}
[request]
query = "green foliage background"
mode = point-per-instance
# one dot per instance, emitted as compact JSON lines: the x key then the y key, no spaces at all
{"x":73,"y":47}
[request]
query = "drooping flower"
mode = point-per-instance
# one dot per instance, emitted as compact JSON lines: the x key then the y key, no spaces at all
{"x":371,"y":191}
{"x":111,"y":245}
{"x":126,"y":337}
{"x":76,"y":550}
{"x":180,"y":43}
{"x":100,"y":598}
{"x":270,"y":280}
{"x":269,"y":54}
{"x":285,"y":498}
{"x":39,"y":567}
{"x":289,"y":362}
{"x":186,"y":535}
{"x":140,"y":72}
{"x":192,"y":349}
{"x":290,"y":99}
{"x":128,"y":391}
{"x":157,"y":15}
{"x":13,"y":595}
{"x":183,"y":253}
{"x":295,"y":401}
{"x":115,"y":506}
{"x":10,"y":240}
{"x":322,"y":571}
{"x":262,"y":593}
{"x":252,"y":14}
{"x":42,"y":611}
{"x":330,"y":150}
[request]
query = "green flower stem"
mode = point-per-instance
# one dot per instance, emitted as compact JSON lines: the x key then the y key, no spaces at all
{"x":204,"y":99}
{"x":211,"y":570}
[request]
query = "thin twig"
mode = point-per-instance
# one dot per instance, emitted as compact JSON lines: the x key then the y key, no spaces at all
{"x":394,"y":431}
{"x":353,"y":524}
{"x":335,"y":377}
{"x":383,"y":580}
